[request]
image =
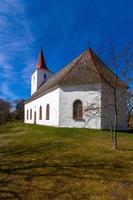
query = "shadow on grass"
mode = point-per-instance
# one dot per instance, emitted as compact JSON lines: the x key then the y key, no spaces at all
{"x":23,"y":168}
{"x":9,"y":194}
{"x":28,"y":170}
{"x":130,"y":131}
{"x":125,"y":149}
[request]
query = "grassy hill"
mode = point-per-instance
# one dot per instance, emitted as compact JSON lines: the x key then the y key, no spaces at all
{"x":44,"y":163}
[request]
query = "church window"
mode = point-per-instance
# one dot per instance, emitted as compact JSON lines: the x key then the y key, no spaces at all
{"x":40,"y":113}
{"x":30,"y":114}
{"x":47,"y":112}
{"x":77,"y":110}
{"x":27,"y":114}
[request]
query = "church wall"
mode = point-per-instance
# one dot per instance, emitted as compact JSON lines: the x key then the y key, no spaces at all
{"x":39,"y":77}
{"x":88,"y":94}
{"x":51,"y":98}
{"x":108,"y":112}
{"x":123,"y":114}
{"x":34,"y":82}
{"x":42,"y":76}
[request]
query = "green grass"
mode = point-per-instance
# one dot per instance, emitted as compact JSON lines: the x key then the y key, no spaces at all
{"x":45,"y":163}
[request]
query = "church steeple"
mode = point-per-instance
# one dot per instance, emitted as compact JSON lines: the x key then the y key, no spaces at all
{"x":41,"y":63}
{"x":41,"y":74}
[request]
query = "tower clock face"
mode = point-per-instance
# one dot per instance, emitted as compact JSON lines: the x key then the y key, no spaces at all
{"x":45,"y":76}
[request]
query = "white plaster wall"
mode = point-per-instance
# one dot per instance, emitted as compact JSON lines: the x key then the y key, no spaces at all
{"x":122,"y":109}
{"x":87,"y":94}
{"x":108,"y":108}
{"x":52,"y":99}
{"x":34,"y":82}
{"x":61,"y":107}
{"x":37,"y":79}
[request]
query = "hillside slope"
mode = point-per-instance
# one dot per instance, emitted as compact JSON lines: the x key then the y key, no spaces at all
{"x":44,"y":163}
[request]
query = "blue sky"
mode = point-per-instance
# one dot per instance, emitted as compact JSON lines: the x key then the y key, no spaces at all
{"x":64,"y":29}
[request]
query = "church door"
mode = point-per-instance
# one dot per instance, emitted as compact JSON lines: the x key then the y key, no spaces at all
{"x":35,"y":117}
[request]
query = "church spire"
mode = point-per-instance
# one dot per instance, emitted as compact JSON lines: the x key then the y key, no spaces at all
{"x":41,"y":63}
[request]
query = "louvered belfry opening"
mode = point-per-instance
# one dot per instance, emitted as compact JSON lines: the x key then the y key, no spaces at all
{"x":77,"y":110}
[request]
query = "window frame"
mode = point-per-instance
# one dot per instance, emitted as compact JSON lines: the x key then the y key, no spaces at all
{"x":40,"y":113}
{"x":78,"y":110}
{"x":27,"y":114}
{"x":47,"y":112}
{"x":30,"y":114}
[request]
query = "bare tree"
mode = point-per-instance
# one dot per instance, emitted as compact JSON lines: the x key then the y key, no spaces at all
{"x":122,"y":63}
{"x":129,"y":105}
{"x":20,"y":110}
{"x":114,"y":91}
{"x":5,"y":111}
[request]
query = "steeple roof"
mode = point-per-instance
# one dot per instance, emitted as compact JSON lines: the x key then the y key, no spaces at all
{"x":41,"y":63}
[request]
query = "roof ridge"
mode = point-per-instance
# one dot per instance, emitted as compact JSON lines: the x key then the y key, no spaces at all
{"x":101,"y":75}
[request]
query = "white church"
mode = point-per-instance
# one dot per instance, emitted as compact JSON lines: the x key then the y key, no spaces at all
{"x":79,"y":95}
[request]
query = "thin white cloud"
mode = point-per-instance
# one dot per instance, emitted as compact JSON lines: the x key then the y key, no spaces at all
{"x":15,"y":39}
{"x":6,"y":92}
{"x":15,"y":31}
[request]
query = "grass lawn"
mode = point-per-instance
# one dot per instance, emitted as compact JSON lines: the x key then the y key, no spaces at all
{"x":45,"y":163}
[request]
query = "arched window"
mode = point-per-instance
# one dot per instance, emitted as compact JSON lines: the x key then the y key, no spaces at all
{"x":30,"y":114}
{"x":27,"y":114}
{"x":47,"y":112}
{"x":40,"y":113}
{"x":77,"y":110}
